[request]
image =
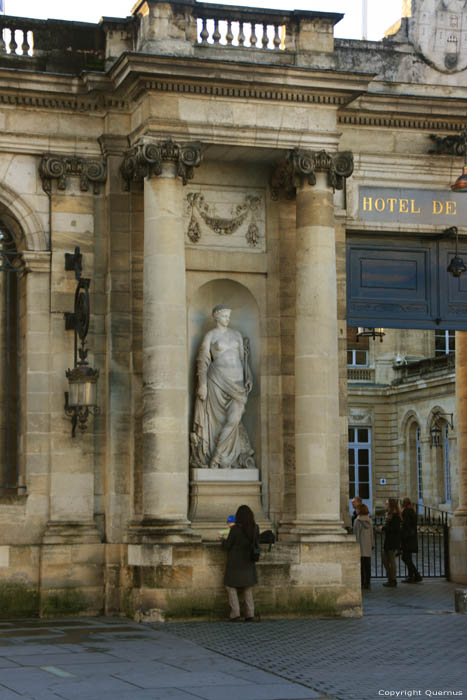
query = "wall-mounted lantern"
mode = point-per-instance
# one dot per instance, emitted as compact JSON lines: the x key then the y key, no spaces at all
{"x":370,"y":333}
{"x":456,"y":266}
{"x":435,"y":430}
{"x":81,"y":398}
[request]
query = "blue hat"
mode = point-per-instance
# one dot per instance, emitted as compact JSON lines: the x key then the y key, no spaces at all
{"x":231,"y":519}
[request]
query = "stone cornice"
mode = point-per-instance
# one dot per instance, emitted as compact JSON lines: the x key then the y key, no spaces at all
{"x":62,"y":102}
{"x":135,"y":73}
{"x":60,"y":168}
{"x":400,"y":122}
{"x":300,"y":166}
{"x":145,"y":159}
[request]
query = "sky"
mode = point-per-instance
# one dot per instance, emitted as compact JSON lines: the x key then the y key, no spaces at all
{"x":381,"y":14}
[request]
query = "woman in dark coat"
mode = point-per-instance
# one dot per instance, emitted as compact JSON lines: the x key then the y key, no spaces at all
{"x":240,"y":572}
{"x":409,"y":541}
{"x":392,"y":540}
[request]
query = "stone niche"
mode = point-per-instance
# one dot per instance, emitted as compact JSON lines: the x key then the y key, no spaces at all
{"x":216,"y":493}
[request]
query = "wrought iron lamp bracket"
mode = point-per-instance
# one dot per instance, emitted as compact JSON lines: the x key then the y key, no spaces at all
{"x":81,"y":376}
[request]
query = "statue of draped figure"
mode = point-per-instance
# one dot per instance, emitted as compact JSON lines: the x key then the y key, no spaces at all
{"x":219,"y":439}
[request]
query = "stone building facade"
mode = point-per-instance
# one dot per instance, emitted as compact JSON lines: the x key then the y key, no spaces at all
{"x":197,"y":155}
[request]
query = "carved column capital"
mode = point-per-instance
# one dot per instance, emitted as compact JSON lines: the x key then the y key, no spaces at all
{"x":60,"y":168}
{"x":146,"y":158}
{"x":300,"y":166}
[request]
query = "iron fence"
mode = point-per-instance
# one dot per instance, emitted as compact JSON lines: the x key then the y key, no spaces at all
{"x":432,"y":559}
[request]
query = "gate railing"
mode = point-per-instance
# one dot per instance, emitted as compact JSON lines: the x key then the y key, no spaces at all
{"x":432,"y":559}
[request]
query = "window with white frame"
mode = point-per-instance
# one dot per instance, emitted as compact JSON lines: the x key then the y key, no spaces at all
{"x":445,"y":342}
{"x":360,"y":464}
{"x":357,"y":358}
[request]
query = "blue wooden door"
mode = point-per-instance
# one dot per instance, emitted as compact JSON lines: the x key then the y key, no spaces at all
{"x":400,"y":282}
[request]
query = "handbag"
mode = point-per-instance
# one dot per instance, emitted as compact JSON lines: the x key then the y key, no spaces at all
{"x":255,"y":550}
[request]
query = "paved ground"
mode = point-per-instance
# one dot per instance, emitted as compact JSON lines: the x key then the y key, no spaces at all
{"x":409,"y":641}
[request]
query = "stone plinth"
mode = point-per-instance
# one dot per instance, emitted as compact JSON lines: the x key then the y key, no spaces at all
{"x":216,"y":493}
{"x":186,"y":581}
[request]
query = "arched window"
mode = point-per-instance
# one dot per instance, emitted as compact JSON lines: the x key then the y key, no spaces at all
{"x":447,"y":465}
{"x":418,"y":453}
{"x":11,"y":271}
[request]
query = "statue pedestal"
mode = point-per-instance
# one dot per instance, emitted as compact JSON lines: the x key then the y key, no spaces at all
{"x":217,"y":493}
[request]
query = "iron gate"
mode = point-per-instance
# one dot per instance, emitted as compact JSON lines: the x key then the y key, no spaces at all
{"x":432,"y":559}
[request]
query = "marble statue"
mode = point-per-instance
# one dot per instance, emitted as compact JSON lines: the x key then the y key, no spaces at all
{"x":219,"y":439}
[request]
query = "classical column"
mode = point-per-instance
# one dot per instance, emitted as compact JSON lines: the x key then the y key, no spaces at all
{"x":166,"y":166}
{"x":314,"y":175}
{"x":458,"y":529}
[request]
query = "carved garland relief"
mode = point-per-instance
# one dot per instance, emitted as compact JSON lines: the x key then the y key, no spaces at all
{"x":225,"y":218}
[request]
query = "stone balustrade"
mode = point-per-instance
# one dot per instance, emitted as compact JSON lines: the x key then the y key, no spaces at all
{"x":182,"y":28}
{"x":16,"y":36}
{"x":241,"y":27}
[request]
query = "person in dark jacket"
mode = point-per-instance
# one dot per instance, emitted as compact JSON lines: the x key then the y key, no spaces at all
{"x":409,"y":540}
{"x":240,"y":571}
{"x":392,"y":540}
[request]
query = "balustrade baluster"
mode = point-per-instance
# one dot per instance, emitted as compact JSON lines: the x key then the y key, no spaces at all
{"x":2,"y":43}
{"x":265,"y":39}
{"x":216,"y":35}
{"x":204,"y":35}
{"x":13,"y":45}
{"x":277,"y":37}
{"x":241,"y":34}
{"x":229,"y":35}
{"x":253,"y":38}
{"x":25,"y":45}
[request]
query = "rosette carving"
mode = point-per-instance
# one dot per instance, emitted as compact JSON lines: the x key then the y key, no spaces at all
{"x":146,"y":158}
{"x":300,"y":166}
{"x":60,"y":168}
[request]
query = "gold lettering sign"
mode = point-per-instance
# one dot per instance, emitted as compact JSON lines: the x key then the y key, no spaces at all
{"x":388,"y":204}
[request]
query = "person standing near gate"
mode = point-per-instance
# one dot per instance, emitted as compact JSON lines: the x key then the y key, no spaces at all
{"x":409,"y":540}
{"x":392,"y":540}
{"x":363,"y":531}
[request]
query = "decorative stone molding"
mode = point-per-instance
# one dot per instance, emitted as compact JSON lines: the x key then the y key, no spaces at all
{"x":146,"y":158}
{"x":302,"y":165}
{"x":452,"y":145}
{"x":223,"y":226}
{"x":60,"y":168}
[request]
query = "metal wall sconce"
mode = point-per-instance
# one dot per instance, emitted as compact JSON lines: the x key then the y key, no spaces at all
{"x":435,"y":430}
{"x":81,"y":399}
{"x":370,"y":333}
{"x":456,"y":267}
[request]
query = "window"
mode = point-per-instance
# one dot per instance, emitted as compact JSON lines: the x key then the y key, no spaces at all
{"x":445,"y":342}
{"x":11,"y":270}
{"x":357,"y":358}
{"x":360,"y":464}
{"x":447,"y":465}
{"x":418,"y":447}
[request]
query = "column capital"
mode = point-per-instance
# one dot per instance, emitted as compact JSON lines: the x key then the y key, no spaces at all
{"x":145,"y":159}
{"x":301,"y":166}
{"x":61,"y":167}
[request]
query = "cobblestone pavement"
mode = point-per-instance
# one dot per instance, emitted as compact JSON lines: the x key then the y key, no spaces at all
{"x":409,"y":639}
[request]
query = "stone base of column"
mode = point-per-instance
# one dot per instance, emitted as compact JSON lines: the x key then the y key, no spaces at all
{"x":217,"y":493}
{"x":71,"y":532}
{"x":159,"y":531}
{"x":313,"y":531}
{"x":458,"y":550}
